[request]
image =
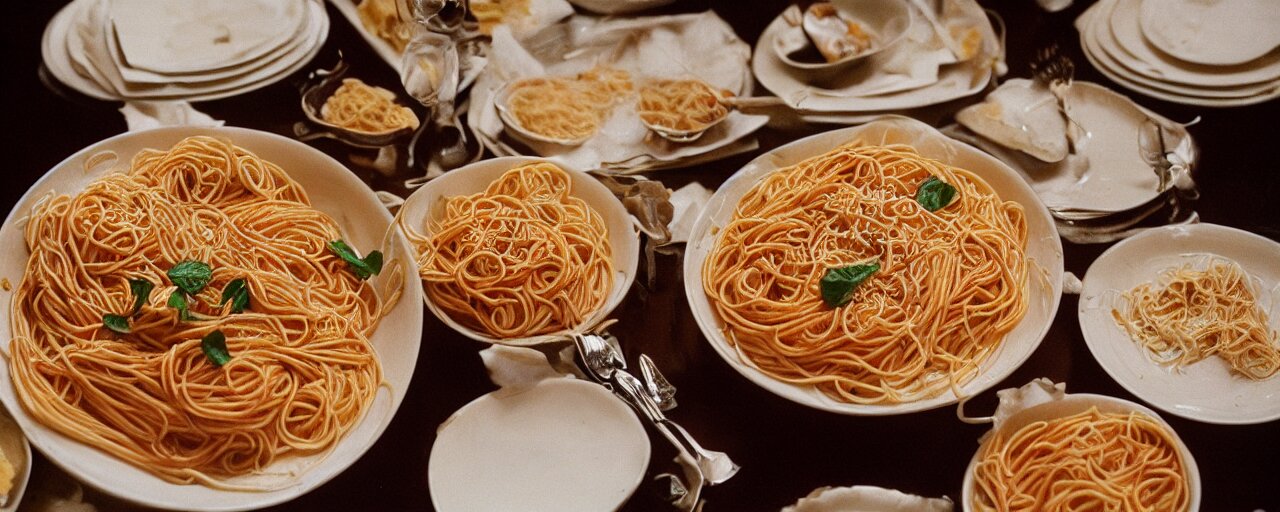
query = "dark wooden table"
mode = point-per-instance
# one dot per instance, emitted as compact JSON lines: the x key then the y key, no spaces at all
{"x":785,"y":450}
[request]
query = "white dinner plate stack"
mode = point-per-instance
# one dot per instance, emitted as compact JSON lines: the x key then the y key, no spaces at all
{"x":1210,"y":53}
{"x":181,"y":49}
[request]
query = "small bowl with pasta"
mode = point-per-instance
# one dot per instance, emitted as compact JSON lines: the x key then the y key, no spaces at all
{"x":818,"y":273}
{"x":350,"y":110}
{"x":519,"y":251}
{"x":563,"y":110}
{"x":164,"y":223}
{"x":1098,"y":438}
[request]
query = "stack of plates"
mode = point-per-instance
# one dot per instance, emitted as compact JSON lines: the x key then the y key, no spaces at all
{"x":1214,"y":54}
{"x":181,"y":49}
{"x":918,"y":70}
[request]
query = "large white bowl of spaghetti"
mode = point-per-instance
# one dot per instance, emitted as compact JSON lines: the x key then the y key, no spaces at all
{"x":519,"y":251}
{"x":319,"y":358}
{"x":1082,"y":452}
{"x":905,"y":342}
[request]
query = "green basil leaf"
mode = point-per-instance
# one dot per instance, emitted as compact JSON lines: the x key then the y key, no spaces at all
{"x":117,"y":323}
{"x":141,"y":289}
{"x":365,"y":267}
{"x":935,"y":194}
{"x":190,"y":276}
{"x":178,"y":301}
{"x":237,"y":292}
{"x":214,"y":346}
{"x":838,"y":284}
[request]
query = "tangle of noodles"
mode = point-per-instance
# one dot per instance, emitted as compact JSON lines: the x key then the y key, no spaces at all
{"x":567,"y":108}
{"x":950,"y":285}
{"x":684,"y":105}
{"x":491,"y":13}
{"x":520,"y":259}
{"x":1193,"y":314}
{"x":1087,"y":461}
{"x":381,"y":18}
{"x":302,"y":370}
{"x":360,"y":107}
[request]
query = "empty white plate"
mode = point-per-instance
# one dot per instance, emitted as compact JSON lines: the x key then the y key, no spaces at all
{"x":561,"y":445}
{"x":1213,"y":32}
{"x":1206,"y":390}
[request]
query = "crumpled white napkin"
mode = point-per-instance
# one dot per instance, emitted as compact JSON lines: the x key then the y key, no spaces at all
{"x":866,"y":498}
{"x":145,"y":115}
{"x":688,"y":203}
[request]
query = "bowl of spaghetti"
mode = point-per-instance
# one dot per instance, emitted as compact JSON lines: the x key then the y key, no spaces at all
{"x":1082,"y":452}
{"x":819,"y":272}
{"x":355,"y":112}
{"x":519,"y":251}
{"x":192,"y":326}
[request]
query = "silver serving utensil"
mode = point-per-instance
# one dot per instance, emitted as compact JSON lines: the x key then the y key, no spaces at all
{"x":661,"y":390}
{"x":1056,"y":71}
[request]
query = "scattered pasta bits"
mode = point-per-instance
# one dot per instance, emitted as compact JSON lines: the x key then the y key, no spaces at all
{"x":381,"y":19}
{"x":360,"y":107}
{"x":681,"y":105}
{"x":1190,"y":315}
{"x":1087,"y":461}
{"x":491,"y":13}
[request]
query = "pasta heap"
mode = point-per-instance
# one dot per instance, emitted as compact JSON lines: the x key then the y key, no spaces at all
{"x":683,"y":105}
{"x":1190,"y":315}
{"x":950,"y":283}
{"x":566,"y":108}
{"x":359,"y":107}
{"x":302,"y":370}
{"x":525,"y":257}
{"x":382,"y":18}
{"x":1087,"y":461}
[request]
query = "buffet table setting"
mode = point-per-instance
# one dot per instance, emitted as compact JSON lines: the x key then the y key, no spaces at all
{"x":641,"y":255}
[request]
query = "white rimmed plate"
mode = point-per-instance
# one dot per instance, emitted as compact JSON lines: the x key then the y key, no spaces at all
{"x":1216,"y":33}
{"x":186,"y":36}
{"x":624,"y":238}
{"x":1207,"y":390}
{"x":561,"y":445}
{"x":1075,"y":404}
{"x":1044,"y":252}
{"x":365,"y":224}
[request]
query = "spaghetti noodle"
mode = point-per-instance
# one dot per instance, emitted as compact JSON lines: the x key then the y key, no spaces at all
{"x":1087,"y":461}
{"x":302,"y":370}
{"x":565,"y":108}
{"x":382,"y":18}
{"x":525,"y":257}
{"x":491,"y":13}
{"x":360,"y":107}
{"x":950,"y":283}
{"x":682,"y":105}
{"x":1190,"y":315}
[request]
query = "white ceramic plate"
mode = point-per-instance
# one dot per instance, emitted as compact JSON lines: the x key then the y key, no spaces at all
{"x":562,"y":445}
{"x":86,"y":66}
{"x":953,"y":81}
{"x":349,"y":10}
{"x":185,"y":36}
{"x":624,"y":237}
{"x":1044,"y":252}
{"x":1216,"y":33}
{"x":1075,"y":404}
{"x":1088,"y":26}
{"x":1207,"y":390}
{"x":18,"y":451}
{"x":332,"y":189}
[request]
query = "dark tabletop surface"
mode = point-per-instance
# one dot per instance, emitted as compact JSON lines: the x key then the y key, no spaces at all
{"x":785,"y":449}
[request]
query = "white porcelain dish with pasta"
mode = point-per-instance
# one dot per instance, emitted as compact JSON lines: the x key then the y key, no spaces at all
{"x":426,"y":205}
{"x":364,"y":222}
{"x":1043,"y":254}
{"x":1207,"y":390}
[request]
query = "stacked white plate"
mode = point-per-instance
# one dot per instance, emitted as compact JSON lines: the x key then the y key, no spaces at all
{"x":181,"y":49}
{"x":1217,"y":53}
{"x":918,"y":70}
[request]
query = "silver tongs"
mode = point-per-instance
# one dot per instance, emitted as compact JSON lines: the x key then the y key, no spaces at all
{"x":603,"y":360}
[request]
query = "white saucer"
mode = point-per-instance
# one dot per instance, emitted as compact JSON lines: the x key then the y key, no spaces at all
{"x":562,"y":445}
{"x":1204,"y":391}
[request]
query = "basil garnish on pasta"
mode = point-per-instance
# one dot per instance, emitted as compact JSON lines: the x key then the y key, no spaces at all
{"x":237,"y":293}
{"x":935,"y":194}
{"x":117,"y":323}
{"x":190,"y":276}
{"x":214,"y":346}
{"x":839,"y":283}
{"x":364,"y":268}
{"x":141,"y":289}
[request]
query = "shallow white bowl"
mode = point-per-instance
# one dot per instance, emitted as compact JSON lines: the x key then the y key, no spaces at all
{"x":624,"y":237}
{"x":1044,"y":251}
{"x":886,"y":20}
{"x":1207,"y":390}
{"x":364,"y":222}
{"x":1075,"y":404}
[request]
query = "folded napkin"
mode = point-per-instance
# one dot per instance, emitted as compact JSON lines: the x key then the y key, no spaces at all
{"x":145,"y":115}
